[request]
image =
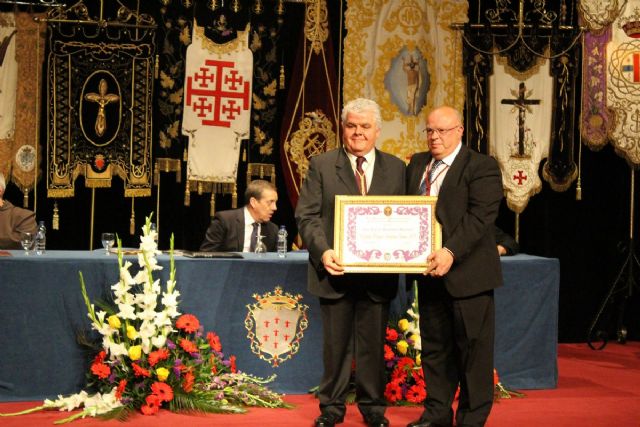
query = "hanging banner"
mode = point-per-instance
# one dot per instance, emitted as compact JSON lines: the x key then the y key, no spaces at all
{"x":8,"y":84}
{"x":217,"y":105}
{"x":404,"y":55}
{"x":520,"y":127}
{"x":311,"y":121}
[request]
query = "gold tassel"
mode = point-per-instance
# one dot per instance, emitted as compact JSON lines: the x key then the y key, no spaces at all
{"x":281,"y":76}
{"x":185,"y":155}
{"x":244,"y":154}
{"x":234,"y":197}
{"x":55,"y":222}
{"x":25,"y":198}
{"x":132,"y":220}
{"x":579,"y":190}
{"x":212,"y":207}
{"x":157,"y":70}
{"x":187,"y":195}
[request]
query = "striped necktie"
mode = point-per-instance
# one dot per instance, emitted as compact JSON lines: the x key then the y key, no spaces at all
{"x":425,"y":186}
{"x":361,"y":178}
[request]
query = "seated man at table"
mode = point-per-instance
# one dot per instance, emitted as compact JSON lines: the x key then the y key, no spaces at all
{"x":13,"y":221}
{"x":506,"y":244}
{"x":237,"y":230}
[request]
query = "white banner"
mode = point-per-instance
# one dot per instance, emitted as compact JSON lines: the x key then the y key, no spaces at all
{"x":8,"y":75}
{"x":520,"y":128}
{"x":217,"y":105}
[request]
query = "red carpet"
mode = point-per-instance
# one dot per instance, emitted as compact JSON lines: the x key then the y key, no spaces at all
{"x":595,"y":388}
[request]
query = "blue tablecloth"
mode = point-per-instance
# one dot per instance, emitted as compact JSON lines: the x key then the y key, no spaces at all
{"x":43,"y":312}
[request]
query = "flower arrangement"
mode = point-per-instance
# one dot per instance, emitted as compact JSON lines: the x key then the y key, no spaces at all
{"x":405,"y":380}
{"x":152,"y":356}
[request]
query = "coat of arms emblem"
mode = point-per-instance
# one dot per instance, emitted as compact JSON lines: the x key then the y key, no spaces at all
{"x":275,"y":325}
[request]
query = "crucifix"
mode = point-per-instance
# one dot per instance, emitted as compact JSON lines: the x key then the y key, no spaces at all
{"x":102,"y":98}
{"x":522,"y":104}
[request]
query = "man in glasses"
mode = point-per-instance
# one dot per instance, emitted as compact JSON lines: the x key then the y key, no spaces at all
{"x":455,"y":292}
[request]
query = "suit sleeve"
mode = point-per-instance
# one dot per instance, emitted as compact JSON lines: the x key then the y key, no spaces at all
{"x":215,"y":236}
{"x":506,"y":241}
{"x":483,"y":192}
{"x":309,"y":215}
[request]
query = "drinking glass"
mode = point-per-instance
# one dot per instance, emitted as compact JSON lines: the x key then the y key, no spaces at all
{"x":26,"y":240}
{"x":108,"y":239}
{"x":261,"y":248}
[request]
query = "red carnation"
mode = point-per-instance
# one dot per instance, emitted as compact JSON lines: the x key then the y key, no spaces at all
{"x":139,"y":371}
{"x":388,"y":353}
{"x":392,"y":335}
{"x":152,"y":405}
{"x":496,"y":379}
{"x":416,"y":394}
{"x":399,"y":374}
{"x":187,"y":384}
{"x":163,"y":391}
{"x":232,"y":359}
{"x":405,"y":362}
{"x":188,"y":323}
{"x":100,"y":370}
{"x":188,"y":346}
{"x":121,"y":387}
{"x":214,"y":342}
{"x":158,"y":355}
{"x":100,"y":357}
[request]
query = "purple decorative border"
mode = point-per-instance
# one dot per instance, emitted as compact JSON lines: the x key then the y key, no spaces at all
{"x":352,"y":212}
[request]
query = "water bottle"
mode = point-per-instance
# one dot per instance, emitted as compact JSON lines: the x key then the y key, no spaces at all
{"x":41,"y":238}
{"x":282,"y":242}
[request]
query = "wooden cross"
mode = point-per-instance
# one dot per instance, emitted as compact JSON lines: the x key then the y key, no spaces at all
{"x":522,"y":104}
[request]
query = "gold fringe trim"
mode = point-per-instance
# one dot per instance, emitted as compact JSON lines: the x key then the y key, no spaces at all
{"x":132,"y":220}
{"x":55,"y":222}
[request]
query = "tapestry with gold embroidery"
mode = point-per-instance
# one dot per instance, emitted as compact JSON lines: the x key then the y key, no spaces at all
{"x":311,"y":122}
{"x":612,"y":77}
{"x":100,"y":76}
{"x":404,"y":55}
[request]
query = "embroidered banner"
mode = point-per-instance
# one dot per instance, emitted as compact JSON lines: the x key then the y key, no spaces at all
{"x":404,"y":55}
{"x":8,"y":84}
{"x":520,"y":127}
{"x":217,"y":105}
{"x":311,"y":121}
{"x":100,"y":87}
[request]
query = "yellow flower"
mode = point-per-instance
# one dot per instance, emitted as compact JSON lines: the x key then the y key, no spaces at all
{"x":418,"y":360}
{"x":132,"y":334}
{"x":114,"y":322}
{"x":402,"y":347}
{"x":162,"y":374}
{"x":403,"y":324}
{"x":135,"y":352}
{"x":415,"y":338}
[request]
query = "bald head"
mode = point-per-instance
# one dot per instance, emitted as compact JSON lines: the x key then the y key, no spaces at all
{"x":444,"y":131}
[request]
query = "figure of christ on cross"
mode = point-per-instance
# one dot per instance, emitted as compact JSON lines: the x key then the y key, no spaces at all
{"x":102,"y":98}
{"x":522,"y":104}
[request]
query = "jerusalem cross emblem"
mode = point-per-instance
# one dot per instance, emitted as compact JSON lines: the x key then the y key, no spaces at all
{"x":275,"y":325}
{"x":218,"y":93}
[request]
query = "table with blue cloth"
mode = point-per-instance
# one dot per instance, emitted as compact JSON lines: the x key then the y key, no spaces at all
{"x":43,"y":314}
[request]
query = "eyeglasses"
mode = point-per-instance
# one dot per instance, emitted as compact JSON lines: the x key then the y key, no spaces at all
{"x":440,"y":132}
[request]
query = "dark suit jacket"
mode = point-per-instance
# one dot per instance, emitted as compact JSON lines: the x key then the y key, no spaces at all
{"x":330,"y":174}
{"x":467,"y":207}
{"x":226,"y":232}
{"x":13,"y":221}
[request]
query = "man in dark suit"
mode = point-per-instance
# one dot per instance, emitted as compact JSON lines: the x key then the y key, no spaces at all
{"x":506,"y":244}
{"x":455,"y":293}
{"x":13,"y":221}
{"x":237,"y":230}
{"x":354,"y":307}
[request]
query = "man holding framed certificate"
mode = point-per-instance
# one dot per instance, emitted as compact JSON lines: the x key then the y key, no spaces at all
{"x":354,"y":306}
{"x":455,"y":292}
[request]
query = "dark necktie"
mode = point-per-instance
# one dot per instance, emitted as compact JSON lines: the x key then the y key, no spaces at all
{"x":361,"y":179}
{"x":254,"y":237}
{"x":425,"y":186}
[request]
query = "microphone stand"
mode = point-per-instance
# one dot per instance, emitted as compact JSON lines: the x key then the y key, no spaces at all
{"x":625,"y":283}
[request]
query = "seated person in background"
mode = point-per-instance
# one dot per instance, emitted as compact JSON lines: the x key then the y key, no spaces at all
{"x":232,"y":230}
{"x":506,"y":244}
{"x":13,"y":221}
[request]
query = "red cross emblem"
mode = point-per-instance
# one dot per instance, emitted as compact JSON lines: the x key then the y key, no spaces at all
{"x":217,"y":93}
{"x":520,"y":177}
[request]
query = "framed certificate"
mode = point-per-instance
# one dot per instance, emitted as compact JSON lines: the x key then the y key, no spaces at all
{"x":386,"y":234}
